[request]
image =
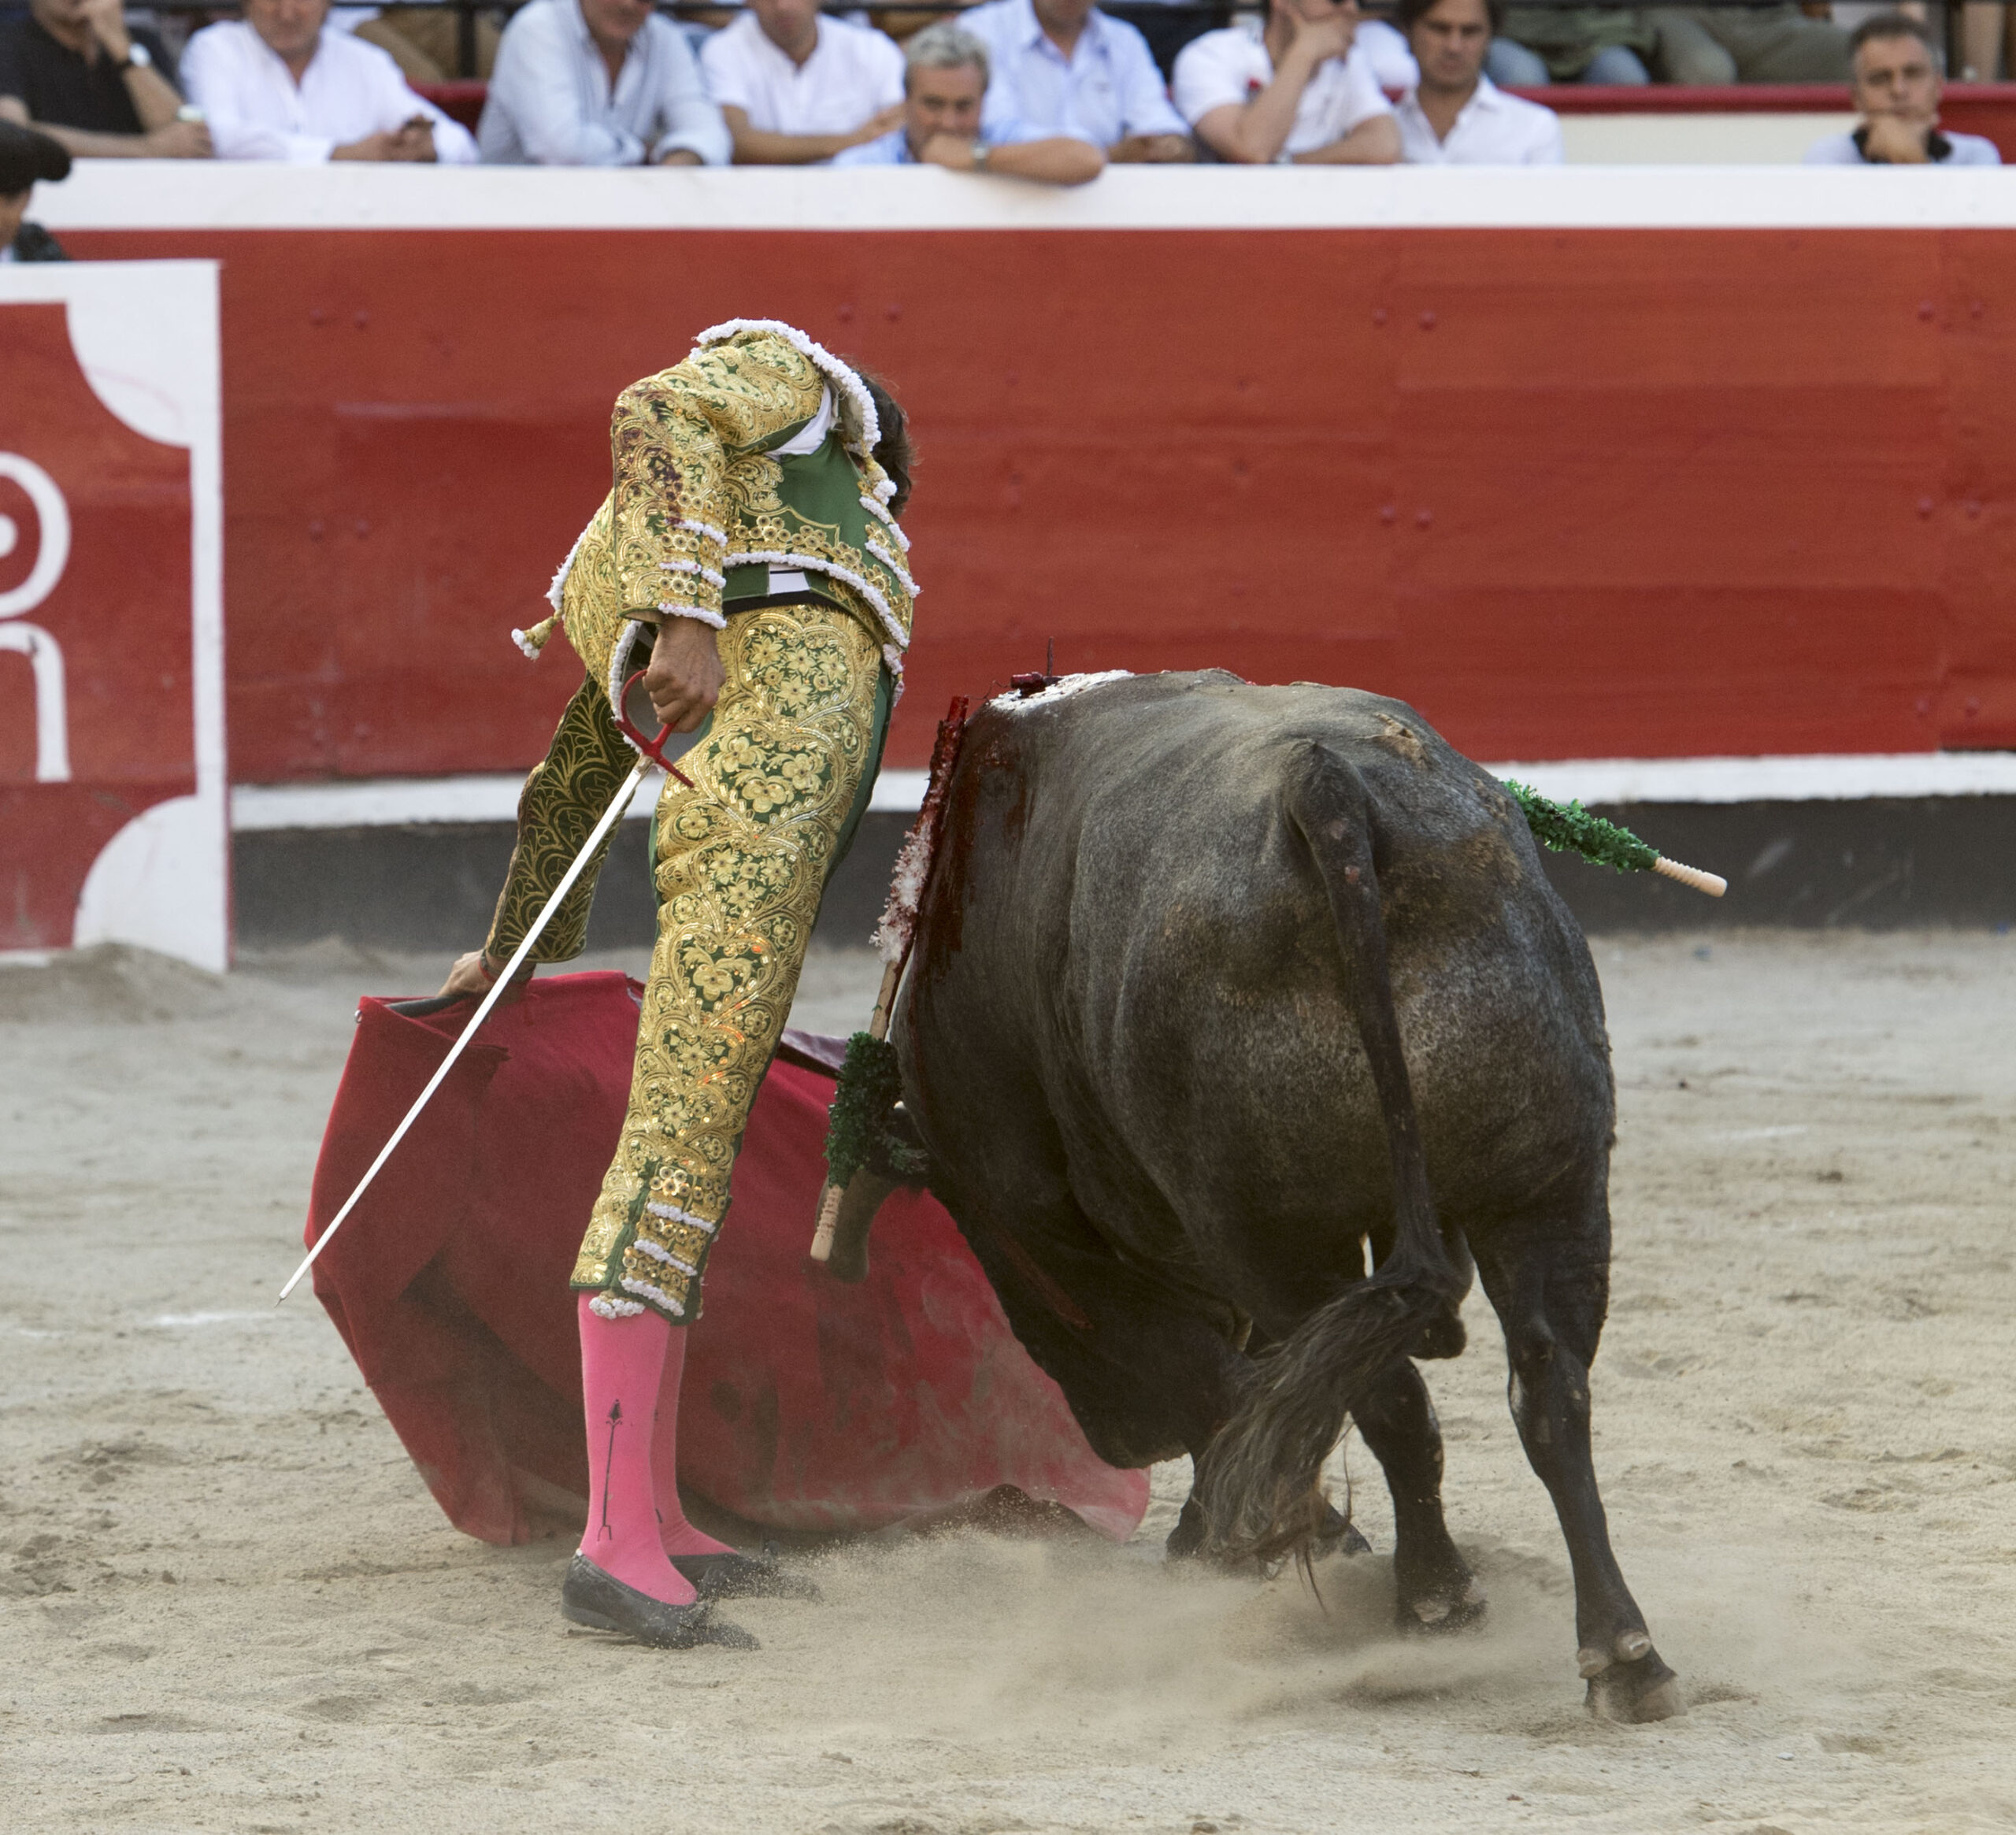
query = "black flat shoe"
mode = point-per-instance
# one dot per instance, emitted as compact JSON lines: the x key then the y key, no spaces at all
{"x":743,"y":1576}
{"x":589,"y":1596}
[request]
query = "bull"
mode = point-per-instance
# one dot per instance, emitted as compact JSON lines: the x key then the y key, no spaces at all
{"x":1243,"y":1027}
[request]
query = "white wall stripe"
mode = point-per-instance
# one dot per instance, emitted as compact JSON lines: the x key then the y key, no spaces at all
{"x":205,"y":195}
{"x":393,"y":802}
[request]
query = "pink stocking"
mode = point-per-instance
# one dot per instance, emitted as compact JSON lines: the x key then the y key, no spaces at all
{"x":622,"y":1361}
{"x":679,"y":1536}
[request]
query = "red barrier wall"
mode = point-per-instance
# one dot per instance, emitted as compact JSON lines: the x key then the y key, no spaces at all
{"x":1573,"y":493}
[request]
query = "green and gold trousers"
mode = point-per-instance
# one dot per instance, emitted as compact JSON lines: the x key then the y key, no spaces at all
{"x":781,"y":775}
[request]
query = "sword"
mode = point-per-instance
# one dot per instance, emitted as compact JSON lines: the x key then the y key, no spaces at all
{"x":653,"y":751}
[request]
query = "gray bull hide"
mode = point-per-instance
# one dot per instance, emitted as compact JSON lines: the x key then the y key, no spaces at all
{"x":1215,"y":987}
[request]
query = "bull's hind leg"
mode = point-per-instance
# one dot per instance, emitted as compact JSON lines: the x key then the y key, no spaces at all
{"x":1437,"y":1592}
{"x":1550,"y":1291}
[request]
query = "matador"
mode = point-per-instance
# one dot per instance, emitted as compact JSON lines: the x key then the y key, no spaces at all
{"x":749,"y":559}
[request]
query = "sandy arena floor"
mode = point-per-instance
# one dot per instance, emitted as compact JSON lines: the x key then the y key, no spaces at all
{"x":227,"y":1602}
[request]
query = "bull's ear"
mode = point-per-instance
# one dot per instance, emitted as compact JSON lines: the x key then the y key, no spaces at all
{"x":859,"y":1203}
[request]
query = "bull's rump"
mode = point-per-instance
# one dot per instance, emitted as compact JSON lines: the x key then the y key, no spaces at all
{"x":1130,"y":925}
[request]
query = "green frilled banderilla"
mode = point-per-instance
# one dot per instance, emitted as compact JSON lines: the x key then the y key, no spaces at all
{"x":860,"y":1130}
{"x":1569,"y":828}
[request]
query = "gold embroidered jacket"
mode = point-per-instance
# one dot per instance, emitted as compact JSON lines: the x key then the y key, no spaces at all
{"x":751,"y":459}
{"x":704,"y":512}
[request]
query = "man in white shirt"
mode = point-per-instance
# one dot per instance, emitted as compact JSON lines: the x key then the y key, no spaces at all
{"x":598,"y":82}
{"x":1061,"y":67}
{"x":796,"y":88}
{"x":944,"y":84}
{"x":1897,"y":91}
{"x":1456,"y":115}
{"x":279,"y":83}
{"x":1297,"y":90}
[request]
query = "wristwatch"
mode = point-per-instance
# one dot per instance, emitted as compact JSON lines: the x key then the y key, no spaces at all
{"x":980,"y":155}
{"x":138,"y":56}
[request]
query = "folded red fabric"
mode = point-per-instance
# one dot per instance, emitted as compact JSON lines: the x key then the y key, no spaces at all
{"x":807,"y":1404}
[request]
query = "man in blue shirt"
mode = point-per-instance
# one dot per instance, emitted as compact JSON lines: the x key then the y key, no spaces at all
{"x":1062,"y":67}
{"x":945,"y":71}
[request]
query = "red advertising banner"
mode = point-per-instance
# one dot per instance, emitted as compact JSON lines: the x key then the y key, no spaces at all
{"x":112,"y":778}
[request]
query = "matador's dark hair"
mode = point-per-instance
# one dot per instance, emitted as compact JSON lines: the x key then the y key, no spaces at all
{"x":893,"y":452}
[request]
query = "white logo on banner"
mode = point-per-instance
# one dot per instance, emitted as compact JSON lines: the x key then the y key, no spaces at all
{"x":45,"y":655}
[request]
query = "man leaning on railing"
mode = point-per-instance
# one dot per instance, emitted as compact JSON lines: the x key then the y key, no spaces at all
{"x":598,"y":82}
{"x":796,"y":86}
{"x":1063,"y":67}
{"x":74,"y":69}
{"x":280,"y":84}
{"x":944,"y":83}
{"x":1897,"y":91}
{"x":1297,"y":90}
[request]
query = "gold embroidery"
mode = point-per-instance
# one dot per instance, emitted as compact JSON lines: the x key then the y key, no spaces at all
{"x":683,"y":447}
{"x":742,"y":860}
{"x":563,"y":799}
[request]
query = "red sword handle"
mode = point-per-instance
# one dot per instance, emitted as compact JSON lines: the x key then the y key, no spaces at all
{"x":653,"y":749}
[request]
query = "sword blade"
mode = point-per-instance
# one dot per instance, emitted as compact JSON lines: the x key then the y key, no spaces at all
{"x":610,"y":817}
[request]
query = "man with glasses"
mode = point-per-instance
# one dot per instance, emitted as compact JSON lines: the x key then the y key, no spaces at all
{"x":1896,"y":74}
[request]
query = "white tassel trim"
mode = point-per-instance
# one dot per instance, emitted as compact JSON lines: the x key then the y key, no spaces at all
{"x":644,"y":1246}
{"x":812,"y":564}
{"x":702,"y":529}
{"x":605,"y":1307}
{"x":896,"y":567}
{"x":619,"y":672}
{"x":524,"y":643}
{"x":665,"y":1301}
{"x":863,"y":425}
{"x":886,"y":489}
{"x":554,"y":592}
{"x":673,"y":1213}
{"x":700,"y":613}
{"x":888,"y":521}
{"x":706,"y":573}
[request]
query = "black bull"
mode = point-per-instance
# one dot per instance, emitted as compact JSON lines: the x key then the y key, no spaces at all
{"x":1215,"y":986}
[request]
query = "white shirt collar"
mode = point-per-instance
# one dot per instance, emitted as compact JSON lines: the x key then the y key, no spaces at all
{"x":1487,"y":96}
{"x":1030,"y":34}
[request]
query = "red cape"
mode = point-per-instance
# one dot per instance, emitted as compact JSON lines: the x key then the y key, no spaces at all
{"x":807,"y":1404}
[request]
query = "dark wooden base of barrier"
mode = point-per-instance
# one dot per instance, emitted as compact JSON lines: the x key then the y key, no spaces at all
{"x":1877,"y":864}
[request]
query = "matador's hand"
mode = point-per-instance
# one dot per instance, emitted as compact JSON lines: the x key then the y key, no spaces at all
{"x":685,"y":676}
{"x":474,"y":974}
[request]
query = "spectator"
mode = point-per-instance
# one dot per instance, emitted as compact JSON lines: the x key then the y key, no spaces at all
{"x":598,"y":82}
{"x":1897,"y":91}
{"x":281,"y":83}
{"x":1392,"y":63}
{"x":796,"y":88}
{"x":1456,"y":115}
{"x":26,"y":156}
{"x":1297,"y":89}
{"x":1061,"y":67}
{"x":1539,"y":45}
{"x":1774,"y":42}
{"x":71,"y":69}
{"x":944,"y":84}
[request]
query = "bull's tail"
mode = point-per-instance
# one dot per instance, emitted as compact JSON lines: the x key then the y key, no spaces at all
{"x":1259,"y":1484}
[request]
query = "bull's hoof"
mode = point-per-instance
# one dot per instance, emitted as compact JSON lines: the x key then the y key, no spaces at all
{"x":1186,"y":1540}
{"x":1445,"y":1610}
{"x":1635,"y":1687}
{"x":1442,"y":1337}
{"x":1336,"y":1534}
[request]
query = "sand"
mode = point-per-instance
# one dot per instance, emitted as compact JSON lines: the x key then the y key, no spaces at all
{"x":227,"y":1601}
